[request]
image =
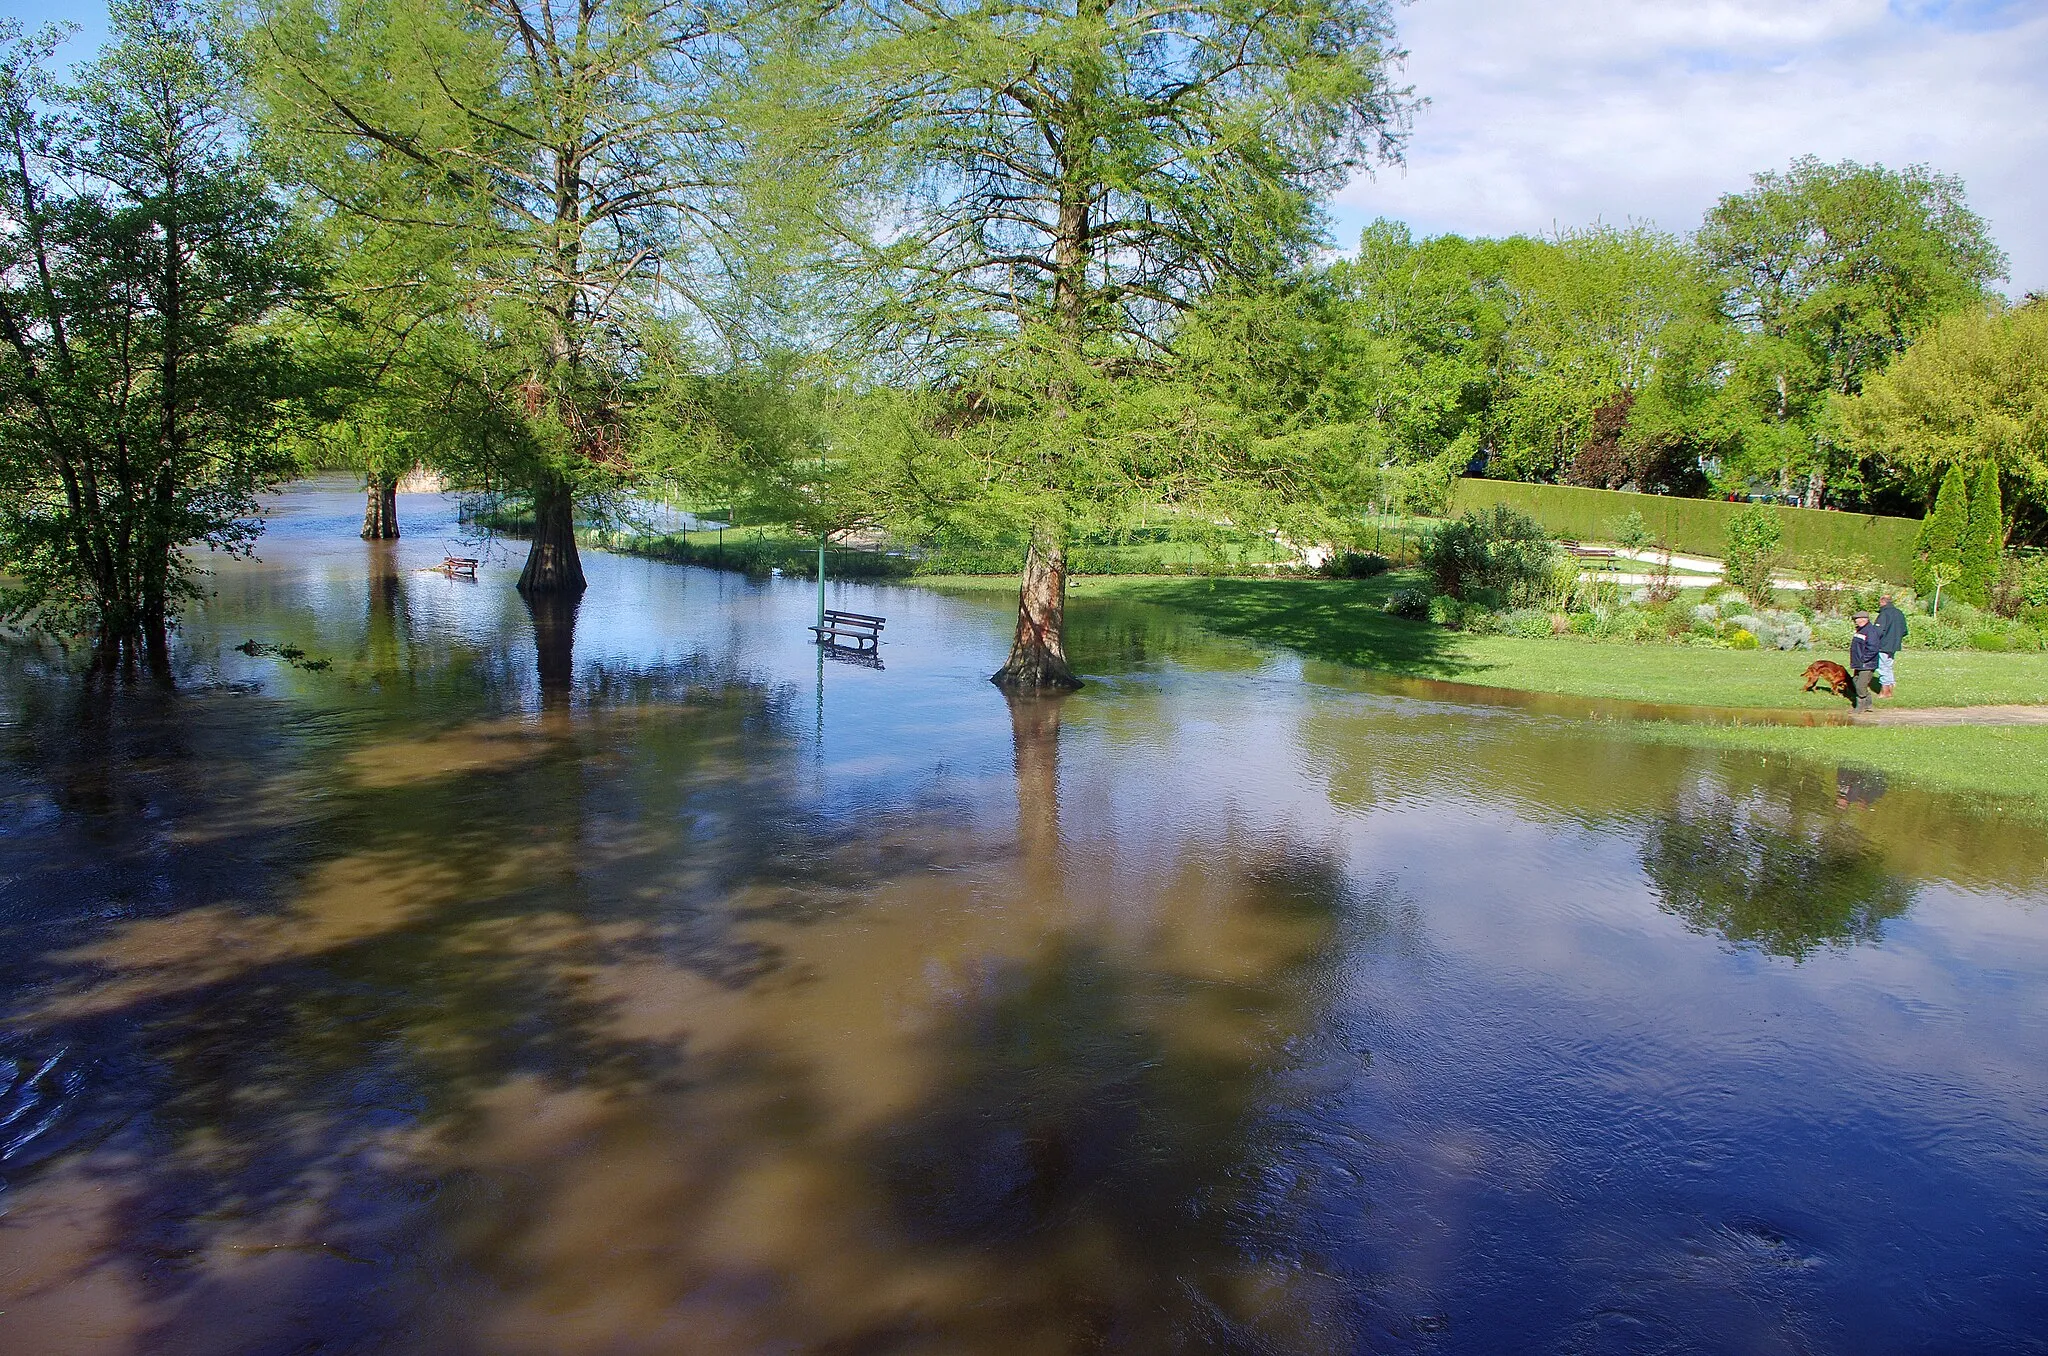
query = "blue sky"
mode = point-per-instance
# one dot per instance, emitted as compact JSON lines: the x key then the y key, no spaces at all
{"x":1572,"y":111}
{"x":1564,"y":112}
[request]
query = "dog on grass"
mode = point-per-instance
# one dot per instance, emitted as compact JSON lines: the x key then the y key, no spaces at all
{"x":1833,"y":674}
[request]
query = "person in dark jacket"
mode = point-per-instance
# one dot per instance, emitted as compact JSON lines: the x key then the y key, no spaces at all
{"x":1863,"y":659}
{"x":1891,"y":634}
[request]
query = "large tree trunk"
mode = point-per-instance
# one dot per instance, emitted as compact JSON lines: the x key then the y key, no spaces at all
{"x":380,"y":508}
{"x":1038,"y":655}
{"x":552,"y":565}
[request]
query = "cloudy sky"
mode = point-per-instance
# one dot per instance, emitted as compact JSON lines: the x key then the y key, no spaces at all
{"x":1563,"y":112}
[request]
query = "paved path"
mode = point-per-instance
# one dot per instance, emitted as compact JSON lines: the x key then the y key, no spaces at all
{"x":1954,"y":715}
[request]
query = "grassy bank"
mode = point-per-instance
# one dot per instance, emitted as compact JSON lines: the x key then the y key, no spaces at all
{"x":1341,"y":621}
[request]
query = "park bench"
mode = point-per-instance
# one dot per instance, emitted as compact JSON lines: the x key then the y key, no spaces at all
{"x":1582,"y":552}
{"x":458,"y":565}
{"x":863,"y":631}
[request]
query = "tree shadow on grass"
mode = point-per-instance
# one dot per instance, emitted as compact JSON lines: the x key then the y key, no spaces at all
{"x":1337,"y":620}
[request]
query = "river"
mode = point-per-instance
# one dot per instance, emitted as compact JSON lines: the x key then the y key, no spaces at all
{"x":431,"y":976}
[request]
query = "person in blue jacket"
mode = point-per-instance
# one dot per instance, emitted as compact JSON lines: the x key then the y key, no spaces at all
{"x":1863,"y":654}
{"x":1891,"y":634}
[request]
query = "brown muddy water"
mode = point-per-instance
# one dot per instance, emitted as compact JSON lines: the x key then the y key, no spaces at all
{"x":628,"y":979}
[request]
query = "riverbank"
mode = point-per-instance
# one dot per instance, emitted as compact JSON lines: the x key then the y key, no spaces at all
{"x":1340,"y":621}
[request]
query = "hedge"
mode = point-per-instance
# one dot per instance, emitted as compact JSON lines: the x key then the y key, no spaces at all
{"x":1697,"y":526}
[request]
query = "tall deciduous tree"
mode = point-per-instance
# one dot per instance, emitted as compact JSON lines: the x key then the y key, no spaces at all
{"x":1079,"y":174}
{"x":1972,"y":389}
{"x":1832,"y":270}
{"x":519,"y":185}
{"x":143,"y":387}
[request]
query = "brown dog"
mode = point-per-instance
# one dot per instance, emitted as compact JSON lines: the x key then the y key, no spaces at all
{"x":1833,"y":674}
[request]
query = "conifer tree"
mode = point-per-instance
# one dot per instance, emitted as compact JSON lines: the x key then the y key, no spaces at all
{"x":1943,"y":534}
{"x":1983,"y":540}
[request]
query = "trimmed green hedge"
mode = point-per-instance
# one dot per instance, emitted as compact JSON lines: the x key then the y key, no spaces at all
{"x":1696,"y":525}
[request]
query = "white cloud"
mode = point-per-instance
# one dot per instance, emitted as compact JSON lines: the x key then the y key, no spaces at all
{"x":1572,"y":111}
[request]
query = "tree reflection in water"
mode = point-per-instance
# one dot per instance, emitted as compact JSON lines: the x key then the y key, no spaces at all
{"x":1780,"y":880}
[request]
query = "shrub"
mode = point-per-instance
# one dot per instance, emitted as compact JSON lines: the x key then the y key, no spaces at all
{"x":1697,"y":526}
{"x":1753,"y":540}
{"x":1411,"y":604}
{"x":1830,"y":575}
{"x":1983,"y":539}
{"x":1582,"y":623}
{"x":1498,"y":550}
{"x":1739,"y":639}
{"x":1356,"y":565}
{"x":1989,"y":640}
{"x":1938,"y":551}
{"x":1445,"y":610}
{"x":1631,"y":532}
{"x":1528,"y":622}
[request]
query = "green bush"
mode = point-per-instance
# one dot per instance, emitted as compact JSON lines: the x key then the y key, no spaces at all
{"x":1356,"y":565}
{"x":1697,"y":526}
{"x":1496,"y":551}
{"x":1411,"y":604}
{"x":1739,"y":639}
{"x":1994,"y":641}
{"x":1754,"y":536}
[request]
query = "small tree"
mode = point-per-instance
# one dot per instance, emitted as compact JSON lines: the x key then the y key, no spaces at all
{"x":1983,"y":539}
{"x":144,"y":378}
{"x":1753,"y":538}
{"x":1942,"y":534}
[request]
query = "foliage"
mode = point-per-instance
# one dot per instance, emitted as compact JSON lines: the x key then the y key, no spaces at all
{"x":1829,"y":575}
{"x":1973,"y":390}
{"x":1983,"y":540}
{"x":1356,"y":565}
{"x":1698,"y":525}
{"x":1829,"y":272}
{"x":518,"y":189}
{"x":146,"y":278}
{"x":1630,"y":532}
{"x":1408,"y":604}
{"x":1753,"y":540}
{"x":1497,"y":550}
{"x":1939,"y":550}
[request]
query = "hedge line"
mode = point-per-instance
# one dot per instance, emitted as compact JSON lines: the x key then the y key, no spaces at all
{"x":1697,"y":526}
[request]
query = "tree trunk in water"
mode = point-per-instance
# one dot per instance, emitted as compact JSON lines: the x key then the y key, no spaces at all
{"x":1038,"y":655}
{"x":554,"y":645}
{"x":552,"y":565}
{"x":380,"y":509}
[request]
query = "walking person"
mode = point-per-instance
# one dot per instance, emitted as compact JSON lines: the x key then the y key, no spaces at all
{"x":1891,"y":634}
{"x":1863,"y":659}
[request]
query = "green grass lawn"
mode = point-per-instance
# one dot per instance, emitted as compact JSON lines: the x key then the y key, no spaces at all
{"x":1341,"y":621}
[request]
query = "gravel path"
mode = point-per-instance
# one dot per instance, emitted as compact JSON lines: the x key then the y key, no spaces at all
{"x":1954,"y":715}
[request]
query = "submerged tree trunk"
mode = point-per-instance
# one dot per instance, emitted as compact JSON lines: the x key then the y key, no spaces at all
{"x":1035,"y":730}
{"x":380,"y":508}
{"x":552,"y":565}
{"x":1038,"y":655}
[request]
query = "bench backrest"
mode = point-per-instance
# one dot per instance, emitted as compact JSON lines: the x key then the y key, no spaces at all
{"x":861,"y":617}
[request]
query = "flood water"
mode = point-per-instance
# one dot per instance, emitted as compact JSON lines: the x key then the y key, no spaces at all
{"x":627,"y":978}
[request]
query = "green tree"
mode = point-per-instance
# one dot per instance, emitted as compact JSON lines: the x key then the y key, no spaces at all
{"x":1983,"y":539}
{"x":519,"y":186}
{"x":1073,"y":179}
{"x":1830,"y":271}
{"x":1973,"y":389}
{"x":145,"y":386}
{"x":1939,"y":556}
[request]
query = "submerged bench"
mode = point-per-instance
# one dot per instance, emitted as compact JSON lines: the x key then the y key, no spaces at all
{"x":863,"y":631}
{"x":455,"y":565}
